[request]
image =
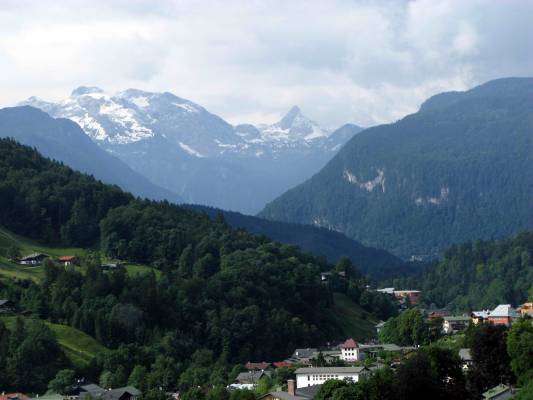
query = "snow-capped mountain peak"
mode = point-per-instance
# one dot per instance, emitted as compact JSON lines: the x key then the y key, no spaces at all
{"x":294,"y":127}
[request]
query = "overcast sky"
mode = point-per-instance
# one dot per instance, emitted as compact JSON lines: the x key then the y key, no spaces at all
{"x":366,"y":62}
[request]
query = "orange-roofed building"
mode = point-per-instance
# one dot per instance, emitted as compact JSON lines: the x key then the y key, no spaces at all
{"x":67,"y":260}
{"x":258,"y":366}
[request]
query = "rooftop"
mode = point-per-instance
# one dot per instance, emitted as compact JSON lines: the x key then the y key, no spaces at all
{"x":495,"y":391}
{"x":330,"y":370}
{"x":349,"y":344}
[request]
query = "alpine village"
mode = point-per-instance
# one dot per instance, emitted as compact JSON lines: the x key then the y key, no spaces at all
{"x":152,"y":250}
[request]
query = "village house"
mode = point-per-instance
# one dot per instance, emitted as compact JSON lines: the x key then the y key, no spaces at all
{"x":248,"y":380}
{"x":257,"y":366}
{"x":92,"y":391}
{"x":504,"y":314}
{"x":479,"y":317}
{"x":454,"y":324}
{"x":67,"y":260}
{"x":283,"y":364}
{"x":317,"y":376}
{"x":32,"y":259}
{"x":303,"y":355}
{"x":6,"y":306}
{"x":350,"y":351}
{"x":526,"y":310}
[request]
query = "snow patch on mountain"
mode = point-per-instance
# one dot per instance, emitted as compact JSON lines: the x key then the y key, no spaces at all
{"x":443,"y":196}
{"x":370,"y":185}
{"x":187,"y":107}
{"x":190,"y":150}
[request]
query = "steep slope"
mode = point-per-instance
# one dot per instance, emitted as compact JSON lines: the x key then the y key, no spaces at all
{"x":63,"y":140}
{"x":461,"y":168}
{"x":376,"y":263}
{"x":182,"y":147}
{"x":223,"y":290}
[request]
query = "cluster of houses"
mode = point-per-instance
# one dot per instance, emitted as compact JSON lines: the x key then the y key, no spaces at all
{"x":403,"y":296}
{"x":83,"y":392}
{"x":308,"y":379}
{"x":37,"y":259}
{"x":503,"y":314}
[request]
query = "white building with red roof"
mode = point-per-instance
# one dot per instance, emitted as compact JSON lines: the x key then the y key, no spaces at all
{"x":350,"y":351}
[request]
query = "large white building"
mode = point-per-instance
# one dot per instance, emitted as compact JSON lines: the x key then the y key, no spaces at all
{"x":317,"y":376}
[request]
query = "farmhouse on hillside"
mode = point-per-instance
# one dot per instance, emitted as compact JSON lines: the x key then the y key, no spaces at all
{"x":32,"y":259}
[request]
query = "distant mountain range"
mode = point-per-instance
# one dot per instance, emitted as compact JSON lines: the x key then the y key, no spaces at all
{"x":64,"y":140}
{"x":459,"y":169}
{"x":182,"y":147}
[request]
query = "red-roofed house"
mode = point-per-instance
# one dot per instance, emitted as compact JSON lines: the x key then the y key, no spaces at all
{"x":260,"y":366}
{"x":350,"y":351}
{"x":67,"y":260}
{"x":282,"y":364}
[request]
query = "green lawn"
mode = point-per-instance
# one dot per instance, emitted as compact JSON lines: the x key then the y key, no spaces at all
{"x":28,"y":246}
{"x":12,"y":270}
{"x":136,"y":269}
{"x":353,"y":320}
{"x":79,"y":347}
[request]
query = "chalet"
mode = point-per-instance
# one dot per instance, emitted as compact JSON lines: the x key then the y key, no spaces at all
{"x":455,"y":324}
{"x":500,"y":392}
{"x":248,"y":380}
{"x":303,"y":355}
{"x":350,"y":351}
{"x":292,"y":393}
{"x":479,"y":317}
{"x":260,"y":366}
{"x":466,"y":359}
{"x":317,"y":376}
{"x":283,"y":364}
{"x":526,"y":310}
{"x":67,"y":260}
{"x":33,"y":259}
{"x":6,"y":306}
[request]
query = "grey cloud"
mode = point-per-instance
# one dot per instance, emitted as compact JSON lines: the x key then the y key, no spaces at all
{"x":342,"y":61}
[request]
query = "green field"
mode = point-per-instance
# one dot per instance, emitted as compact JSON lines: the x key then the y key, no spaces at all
{"x":79,"y":347}
{"x":353,"y":320}
{"x":137,"y":269}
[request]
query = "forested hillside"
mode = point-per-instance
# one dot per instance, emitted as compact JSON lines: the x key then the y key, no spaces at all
{"x":376,"y":263}
{"x":459,"y":169}
{"x":479,"y":275}
{"x":221,"y":297}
